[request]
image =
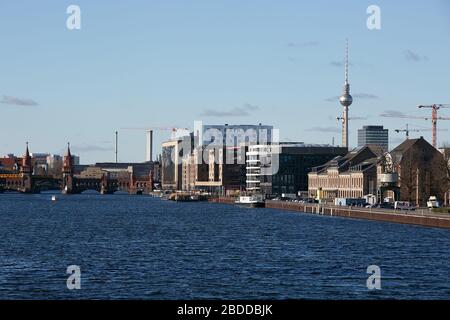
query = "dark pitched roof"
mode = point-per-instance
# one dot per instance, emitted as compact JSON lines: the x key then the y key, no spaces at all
{"x":377,"y":149}
{"x":343,"y":163}
{"x":397,"y":153}
{"x":365,"y":165}
{"x":405,"y":145}
{"x":8,"y":162}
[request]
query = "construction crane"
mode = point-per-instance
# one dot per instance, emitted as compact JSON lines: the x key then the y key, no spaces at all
{"x":149,"y":135}
{"x":434,"y":118}
{"x":408,"y":130}
{"x":351,"y":118}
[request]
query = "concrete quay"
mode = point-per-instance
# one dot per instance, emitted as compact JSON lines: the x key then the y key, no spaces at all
{"x":418,"y":217}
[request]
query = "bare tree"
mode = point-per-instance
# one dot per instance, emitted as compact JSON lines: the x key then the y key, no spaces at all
{"x":407,"y":177}
{"x":446,"y":168}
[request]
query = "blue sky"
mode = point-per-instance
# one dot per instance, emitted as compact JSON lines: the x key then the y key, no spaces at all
{"x":168,"y":63}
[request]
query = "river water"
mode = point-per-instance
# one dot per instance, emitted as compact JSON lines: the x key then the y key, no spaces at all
{"x":138,"y":247}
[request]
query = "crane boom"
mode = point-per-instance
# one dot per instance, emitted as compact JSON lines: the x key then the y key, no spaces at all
{"x":434,"y":118}
{"x":408,"y":130}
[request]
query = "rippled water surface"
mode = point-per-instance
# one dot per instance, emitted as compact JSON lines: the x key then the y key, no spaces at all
{"x":132,"y":247}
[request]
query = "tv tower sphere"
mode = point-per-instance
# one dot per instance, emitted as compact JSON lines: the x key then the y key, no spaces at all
{"x":346,"y":99}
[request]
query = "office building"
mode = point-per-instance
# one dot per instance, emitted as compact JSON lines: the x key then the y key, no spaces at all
{"x":223,"y":173}
{"x":172,"y":156}
{"x":374,"y":135}
{"x":282,"y":169}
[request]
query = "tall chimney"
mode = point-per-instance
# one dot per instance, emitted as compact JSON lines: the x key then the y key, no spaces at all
{"x":149,"y":151}
{"x":116,"y":145}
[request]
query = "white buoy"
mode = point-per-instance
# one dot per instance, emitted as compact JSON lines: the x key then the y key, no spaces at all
{"x":53,"y":198}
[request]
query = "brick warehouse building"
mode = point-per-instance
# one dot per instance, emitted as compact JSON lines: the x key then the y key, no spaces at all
{"x":352,"y":175}
{"x":421,"y":171}
{"x":418,"y":172}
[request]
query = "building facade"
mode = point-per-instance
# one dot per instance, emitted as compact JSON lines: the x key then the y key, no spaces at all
{"x":224,"y":171}
{"x":173,"y":153}
{"x":352,"y":175}
{"x":213,"y":159}
{"x":282,"y":169}
{"x":188,"y":173}
{"x":10,"y":163}
{"x":422,"y":171}
{"x":412,"y":172}
{"x":374,"y":135}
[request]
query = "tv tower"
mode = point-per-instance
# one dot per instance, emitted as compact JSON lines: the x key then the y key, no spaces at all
{"x":345,"y":100}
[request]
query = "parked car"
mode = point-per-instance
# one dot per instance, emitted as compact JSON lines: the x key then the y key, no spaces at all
{"x":385,"y":205}
{"x":352,"y":202}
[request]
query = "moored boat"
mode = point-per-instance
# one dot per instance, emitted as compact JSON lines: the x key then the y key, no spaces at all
{"x":186,"y":197}
{"x":253,"y":201}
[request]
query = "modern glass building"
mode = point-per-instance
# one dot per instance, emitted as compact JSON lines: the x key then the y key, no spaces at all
{"x":282,"y":169}
{"x":375,"y":136}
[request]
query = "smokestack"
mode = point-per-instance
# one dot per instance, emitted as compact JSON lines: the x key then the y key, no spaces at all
{"x":117,"y":144}
{"x":149,"y":151}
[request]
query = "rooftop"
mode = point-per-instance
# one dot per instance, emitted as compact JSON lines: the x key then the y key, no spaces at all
{"x":373,"y":127}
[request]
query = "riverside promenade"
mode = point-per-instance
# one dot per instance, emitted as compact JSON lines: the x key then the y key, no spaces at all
{"x":421,"y":217}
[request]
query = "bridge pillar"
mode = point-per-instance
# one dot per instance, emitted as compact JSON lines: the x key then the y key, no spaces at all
{"x":104,"y":184}
{"x":150,"y":181}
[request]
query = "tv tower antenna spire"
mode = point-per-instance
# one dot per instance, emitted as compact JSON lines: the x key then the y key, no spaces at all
{"x":346,"y":62}
{"x":346,"y":100}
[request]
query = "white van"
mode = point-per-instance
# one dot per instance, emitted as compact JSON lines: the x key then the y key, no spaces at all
{"x":433,"y":202}
{"x":403,"y":205}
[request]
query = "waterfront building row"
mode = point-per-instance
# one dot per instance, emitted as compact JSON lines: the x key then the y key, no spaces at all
{"x":413,"y":171}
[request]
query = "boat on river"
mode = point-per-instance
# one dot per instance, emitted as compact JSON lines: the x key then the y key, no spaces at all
{"x":251,"y":201}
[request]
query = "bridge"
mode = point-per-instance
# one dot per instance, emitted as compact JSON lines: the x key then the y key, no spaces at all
{"x":105,"y":178}
{"x":106,"y":184}
{"x":17,"y":182}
